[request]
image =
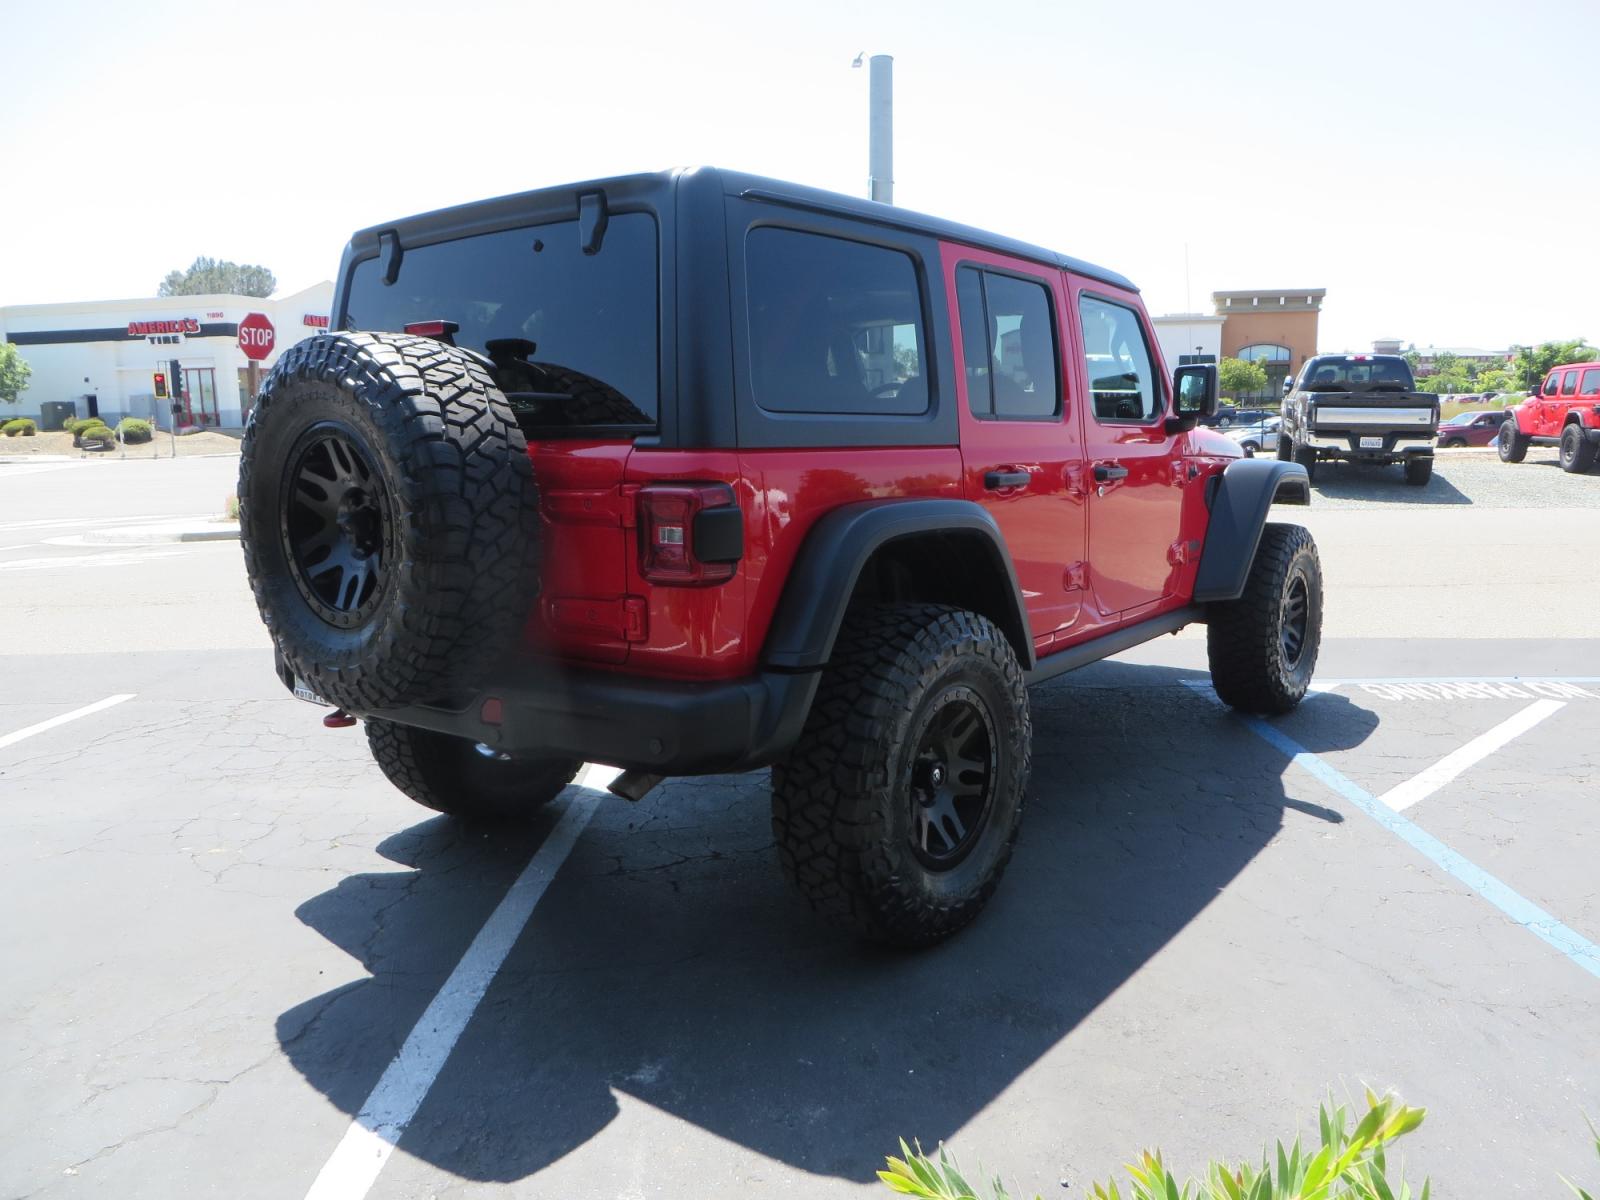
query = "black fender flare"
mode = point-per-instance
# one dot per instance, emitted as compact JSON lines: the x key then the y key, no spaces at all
{"x":1243,"y":493}
{"x":837,"y":549}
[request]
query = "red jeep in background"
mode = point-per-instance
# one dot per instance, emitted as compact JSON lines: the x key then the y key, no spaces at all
{"x":697,"y":472}
{"x":1564,"y":411}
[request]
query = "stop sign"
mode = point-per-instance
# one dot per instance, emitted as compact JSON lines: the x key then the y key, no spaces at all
{"x":256,"y":336}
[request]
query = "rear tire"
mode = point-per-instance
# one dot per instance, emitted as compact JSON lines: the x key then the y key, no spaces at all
{"x":1510,"y":443}
{"x":1418,"y":471}
{"x":451,"y":775}
{"x":1453,"y":443}
{"x":896,"y":811}
{"x":1306,"y":456}
{"x":1577,"y":451}
{"x":1285,"y":448}
{"x":388,"y":516}
{"x":1263,"y":646}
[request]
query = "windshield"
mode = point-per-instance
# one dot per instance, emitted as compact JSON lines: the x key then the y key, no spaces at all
{"x":1356,"y":374}
{"x":573,"y":336}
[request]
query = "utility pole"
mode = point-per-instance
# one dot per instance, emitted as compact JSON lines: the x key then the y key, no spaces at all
{"x":880,"y":127}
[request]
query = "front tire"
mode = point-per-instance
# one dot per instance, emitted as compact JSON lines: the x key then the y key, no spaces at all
{"x":1511,"y":444}
{"x":1263,"y":646}
{"x":1418,"y":471}
{"x":1577,"y":451}
{"x":896,"y":811}
{"x":454,"y":776}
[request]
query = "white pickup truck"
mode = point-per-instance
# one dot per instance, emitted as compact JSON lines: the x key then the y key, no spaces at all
{"x":1359,"y":408}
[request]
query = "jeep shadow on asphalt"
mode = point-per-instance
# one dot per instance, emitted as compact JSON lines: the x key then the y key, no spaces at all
{"x":669,"y":964}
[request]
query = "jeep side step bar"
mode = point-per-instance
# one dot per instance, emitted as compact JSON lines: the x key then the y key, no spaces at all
{"x":1105,"y":646}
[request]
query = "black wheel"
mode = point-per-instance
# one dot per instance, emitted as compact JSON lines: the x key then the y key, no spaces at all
{"x":896,"y":811}
{"x":388,"y":514}
{"x":1577,"y":451}
{"x":1263,"y":646}
{"x":463,"y":779}
{"x":1306,"y":456}
{"x":1452,"y":443}
{"x":1285,"y":448}
{"x":1510,"y":442}
{"x":1250,"y":449}
{"x":1418,"y":470}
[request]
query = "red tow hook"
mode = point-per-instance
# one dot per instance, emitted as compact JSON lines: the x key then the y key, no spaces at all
{"x":338,"y":719}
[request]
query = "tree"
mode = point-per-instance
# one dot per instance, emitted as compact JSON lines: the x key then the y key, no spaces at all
{"x":207,"y":276}
{"x":14,"y":373}
{"x":1531,"y":364}
{"x":1237,"y":377}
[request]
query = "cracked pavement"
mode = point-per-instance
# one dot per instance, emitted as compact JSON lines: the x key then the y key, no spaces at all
{"x":221,"y":923}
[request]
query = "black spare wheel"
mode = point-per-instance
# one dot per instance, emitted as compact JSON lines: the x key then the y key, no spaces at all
{"x":389,"y":517}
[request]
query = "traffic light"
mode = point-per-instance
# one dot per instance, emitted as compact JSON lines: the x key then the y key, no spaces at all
{"x":176,"y":377}
{"x":161,"y":385}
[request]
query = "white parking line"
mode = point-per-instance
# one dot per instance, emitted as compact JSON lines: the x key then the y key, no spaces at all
{"x":1403,"y":796}
{"x":11,"y":739}
{"x":383,"y":1118}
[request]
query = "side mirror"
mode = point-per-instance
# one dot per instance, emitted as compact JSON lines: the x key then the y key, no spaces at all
{"x":1535,"y":389}
{"x":1194,"y":392}
{"x":1288,"y":384}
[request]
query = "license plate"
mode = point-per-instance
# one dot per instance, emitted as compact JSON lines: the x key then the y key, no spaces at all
{"x":302,"y":692}
{"x":1372,"y":443}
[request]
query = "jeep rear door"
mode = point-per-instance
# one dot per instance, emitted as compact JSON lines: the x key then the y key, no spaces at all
{"x":1135,"y":468}
{"x":1021,"y":435}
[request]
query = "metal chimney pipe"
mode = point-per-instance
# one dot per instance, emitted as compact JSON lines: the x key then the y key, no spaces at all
{"x":880,"y":125}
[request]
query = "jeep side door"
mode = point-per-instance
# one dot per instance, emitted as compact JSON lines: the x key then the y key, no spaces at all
{"x":1136,"y":473}
{"x":1021,"y":434}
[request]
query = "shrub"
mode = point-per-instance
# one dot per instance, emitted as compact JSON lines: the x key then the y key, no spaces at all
{"x":19,"y":425}
{"x":73,"y":424}
{"x":98,"y":431}
{"x":134,"y":431}
{"x":1348,"y":1165}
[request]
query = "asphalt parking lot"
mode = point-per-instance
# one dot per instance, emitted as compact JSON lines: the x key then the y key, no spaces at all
{"x":239,"y":964}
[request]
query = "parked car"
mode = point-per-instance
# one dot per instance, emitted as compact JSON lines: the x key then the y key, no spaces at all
{"x":1471,"y":428}
{"x":1257,"y":436}
{"x":1562,"y":411}
{"x":826,"y":489}
{"x":1361,"y":408}
{"x":1229,"y":417}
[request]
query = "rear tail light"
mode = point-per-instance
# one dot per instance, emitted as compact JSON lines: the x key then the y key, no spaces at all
{"x":690,"y":534}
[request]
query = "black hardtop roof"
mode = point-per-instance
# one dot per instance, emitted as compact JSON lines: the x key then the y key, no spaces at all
{"x":756,"y":188}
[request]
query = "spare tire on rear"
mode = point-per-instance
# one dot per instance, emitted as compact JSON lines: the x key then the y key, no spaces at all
{"x":389,"y":518}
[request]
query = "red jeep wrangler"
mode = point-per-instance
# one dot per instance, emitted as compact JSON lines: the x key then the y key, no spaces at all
{"x":1564,"y":412}
{"x":698,"y":472}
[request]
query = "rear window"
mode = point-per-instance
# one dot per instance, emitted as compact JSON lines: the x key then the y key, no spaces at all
{"x":835,"y":326}
{"x":1591,"y":382}
{"x":574,"y":336}
{"x":1351,"y":374}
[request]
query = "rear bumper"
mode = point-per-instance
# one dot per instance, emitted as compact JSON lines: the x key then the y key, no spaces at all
{"x":1396,"y":444}
{"x":665,"y":727}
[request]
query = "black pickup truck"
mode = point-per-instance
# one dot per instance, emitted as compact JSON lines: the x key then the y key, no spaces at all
{"x":1359,"y":408}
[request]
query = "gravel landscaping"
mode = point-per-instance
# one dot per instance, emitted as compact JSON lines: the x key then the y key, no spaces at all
{"x":206,"y":442}
{"x":1474,"y":476}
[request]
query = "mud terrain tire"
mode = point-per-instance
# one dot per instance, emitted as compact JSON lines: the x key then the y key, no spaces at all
{"x":1577,"y":452}
{"x":1511,"y":444}
{"x":389,"y":517}
{"x":896,"y":811}
{"x":451,"y":775}
{"x":1263,"y":646}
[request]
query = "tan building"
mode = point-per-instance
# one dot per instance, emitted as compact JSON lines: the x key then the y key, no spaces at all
{"x":1276,"y":328}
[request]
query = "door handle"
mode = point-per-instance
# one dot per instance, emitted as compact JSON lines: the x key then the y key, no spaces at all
{"x":1106,"y":472}
{"x":995,"y":480}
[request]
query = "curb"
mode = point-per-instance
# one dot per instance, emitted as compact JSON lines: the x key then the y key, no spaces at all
{"x":185,"y":531}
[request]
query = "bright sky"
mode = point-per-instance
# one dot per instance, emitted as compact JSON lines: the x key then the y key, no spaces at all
{"x":1431,"y":165}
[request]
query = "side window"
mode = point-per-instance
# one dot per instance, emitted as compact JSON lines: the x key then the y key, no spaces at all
{"x":1552,"y":385}
{"x":835,"y":326}
{"x":1591,"y":382}
{"x":1008,"y":339}
{"x":1122,"y":381}
{"x":1569,"y":383}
